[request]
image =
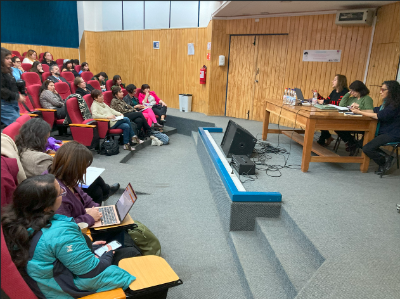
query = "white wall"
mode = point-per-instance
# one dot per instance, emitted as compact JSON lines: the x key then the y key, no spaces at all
{"x":133,"y":15}
{"x":184,"y":14}
{"x":112,"y":15}
{"x":207,"y":8}
{"x":156,"y":14}
{"x":90,"y":16}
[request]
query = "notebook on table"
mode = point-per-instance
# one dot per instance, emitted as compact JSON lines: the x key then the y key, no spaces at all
{"x":325,"y":107}
{"x":112,"y":215}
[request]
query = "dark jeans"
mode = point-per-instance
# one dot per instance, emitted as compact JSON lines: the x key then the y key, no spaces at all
{"x":139,"y":120}
{"x":125,"y":125}
{"x":372,"y":150}
{"x":324,"y":135}
{"x":61,"y":113}
{"x":159,"y":110}
{"x":98,"y":190}
{"x":349,"y":139}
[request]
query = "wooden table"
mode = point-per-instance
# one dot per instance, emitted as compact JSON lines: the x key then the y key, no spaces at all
{"x":311,"y":119}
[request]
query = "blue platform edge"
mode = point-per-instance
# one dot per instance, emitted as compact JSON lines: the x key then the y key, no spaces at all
{"x":234,"y":194}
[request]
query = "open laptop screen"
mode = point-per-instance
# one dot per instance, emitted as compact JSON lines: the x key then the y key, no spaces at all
{"x":126,"y":201}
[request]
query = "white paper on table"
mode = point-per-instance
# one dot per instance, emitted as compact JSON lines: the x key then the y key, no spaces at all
{"x":190,"y":49}
{"x":339,"y":107}
{"x":92,"y":173}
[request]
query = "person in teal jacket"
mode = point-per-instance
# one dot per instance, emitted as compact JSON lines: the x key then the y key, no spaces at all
{"x":50,"y":250}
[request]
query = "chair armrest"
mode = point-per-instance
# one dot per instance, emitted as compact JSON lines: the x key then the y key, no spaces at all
{"x":82,"y":125}
{"x":113,"y":294}
{"x":43,"y":109}
{"x":101,"y":119}
{"x":31,"y":115}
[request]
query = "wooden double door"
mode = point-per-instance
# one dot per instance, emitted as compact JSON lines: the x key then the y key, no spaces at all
{"x":257,"y":65}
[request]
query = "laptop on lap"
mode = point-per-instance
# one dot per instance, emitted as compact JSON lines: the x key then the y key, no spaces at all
{"x":112,"y":215}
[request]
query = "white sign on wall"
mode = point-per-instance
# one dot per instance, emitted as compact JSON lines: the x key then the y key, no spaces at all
{"x":322,"y":55}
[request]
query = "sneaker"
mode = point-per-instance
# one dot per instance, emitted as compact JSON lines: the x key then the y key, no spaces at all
{"x":380,"y":170}
{"x":155,"y":141}
{"x":157,"y":125}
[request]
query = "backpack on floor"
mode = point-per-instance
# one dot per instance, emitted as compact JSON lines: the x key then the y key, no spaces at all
{"x":145,"y":239}
{"x":109,"y":147}
{"x":163,"y":137}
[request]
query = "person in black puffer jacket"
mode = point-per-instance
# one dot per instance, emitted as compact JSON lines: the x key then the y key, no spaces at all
{"x":9,"y":90}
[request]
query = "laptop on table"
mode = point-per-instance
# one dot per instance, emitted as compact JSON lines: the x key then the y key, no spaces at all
{"x":112,"y":215}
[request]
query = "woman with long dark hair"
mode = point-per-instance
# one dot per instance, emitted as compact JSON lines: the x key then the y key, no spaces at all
{"x":68,"y":67}
{"x":9,"y":90}
{"x":46,"y":246}
{"x":388,"y":128}
{"x":38,"y":69}
{"x":149,"y":98}
{"x":47,"y":59}
{"x":117,"y":82}
{"x":84,"y":67}
{"x":50,"y":99}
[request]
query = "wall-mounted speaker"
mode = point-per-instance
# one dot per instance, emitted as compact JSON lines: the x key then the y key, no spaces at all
{"x":237,"y":141}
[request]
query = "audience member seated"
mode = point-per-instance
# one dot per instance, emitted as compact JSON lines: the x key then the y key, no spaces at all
{"x":82,"y":87}
{"x":17,"y":69}
{"x":68,"y":67}
{"x":75,"y":62}
{"x":339,"y":85}
{"x":117,"y":81}
{"x":32,"y":142}
{"x":358,"y":96}
{"x":55,"y":75}
{"x":130,"y":99}
{"x":49,"y":249}
{"x":128,"y":111}
{"x":388,"y":128}
{"x":102,"y":78}
{"x":10,"y":150}
{"x":100,"y":110}
{"x":50,"y":99}
{"x":37,"y":68}
{"x":30,"y":57}
{"x":9,"y":90}
{"x":47,"y":59}
{"x":149,"y":98}
{"x":84,"y":67}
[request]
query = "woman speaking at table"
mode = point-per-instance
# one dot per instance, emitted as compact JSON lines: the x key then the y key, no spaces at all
{"x":339,"y":85}
{"x":388,"y":128}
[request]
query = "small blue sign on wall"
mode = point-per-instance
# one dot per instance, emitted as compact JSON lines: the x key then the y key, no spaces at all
{"x":156,"y":45}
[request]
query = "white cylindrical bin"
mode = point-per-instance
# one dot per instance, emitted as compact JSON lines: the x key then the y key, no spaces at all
{"x":185,"y":102}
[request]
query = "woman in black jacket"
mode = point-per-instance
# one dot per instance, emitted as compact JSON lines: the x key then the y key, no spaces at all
{"x":388,"y":128}
{"x":47,"y":59}
{"x":82,"y":87}
{"x":9,"y":90}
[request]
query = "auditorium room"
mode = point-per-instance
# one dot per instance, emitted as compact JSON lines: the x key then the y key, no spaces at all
{"x":200,"y":149}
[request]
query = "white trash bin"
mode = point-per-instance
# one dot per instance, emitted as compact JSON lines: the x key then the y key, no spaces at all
{"x":185,"y":102}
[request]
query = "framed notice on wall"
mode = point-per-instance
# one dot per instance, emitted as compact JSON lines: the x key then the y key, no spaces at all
{"x":156,"y":45}
{"x":322,"y":55}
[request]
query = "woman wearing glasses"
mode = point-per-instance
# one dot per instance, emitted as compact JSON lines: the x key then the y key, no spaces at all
{"x":388,"y":128}
{"x":31,"y":143}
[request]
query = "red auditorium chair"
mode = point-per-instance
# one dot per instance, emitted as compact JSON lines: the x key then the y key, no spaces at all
{"x":24,"y":54}
{"x":45,"y":67}
{"x":12,"y":130}
{"x":108,"y":97}
{"x":109,"y":84}
{"x":87,"y":76}
{"x":41,"y":56}
{"x":27,"y":112}
{"x":45,"y":75}
{"x":68,"y":76}
{"x":31,"y":78}
{"x":125,"y":92}
{"x":59,"y":62}
{"x":23,"y":119}
{"x":63,"y":89}
{"x":95,"y":84}
{"x":73,"y":88}
{"x":88,"y":99}
{"x":49,"y":115}
{"x":78,"y":68}
{"x":26,"y":66}
{"x":16,"y":53}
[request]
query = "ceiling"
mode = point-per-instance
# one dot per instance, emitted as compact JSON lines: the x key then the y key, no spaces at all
{"x":258,"y":8}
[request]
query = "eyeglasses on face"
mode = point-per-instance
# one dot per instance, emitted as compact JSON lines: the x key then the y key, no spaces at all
{"x":383,"y":89}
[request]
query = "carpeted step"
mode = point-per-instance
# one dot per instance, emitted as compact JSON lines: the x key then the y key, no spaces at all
{"x":260,"y":274}
{"x":293,"y":254}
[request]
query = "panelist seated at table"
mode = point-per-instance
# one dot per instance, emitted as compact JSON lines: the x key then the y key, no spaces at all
{"x":339,"y":85}
{"x":32,"y":141}
{"x":49,"y":249}
{"x":358,"y":95}
{"x":388,"y":128}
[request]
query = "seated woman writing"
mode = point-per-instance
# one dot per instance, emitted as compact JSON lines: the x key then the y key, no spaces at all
{"x":46,"y":246}
{"x":388,"y":128}
{"x":82,"y":87}
{"x":101,"y":110}
{"x":118,"y":104}
{"x":102,"y":78}
{"x":358,"y":95}
{"x":149,"y":98}
{"x":50,"y":99}
{"x":31,"y":143}
{"x":339,"y":85}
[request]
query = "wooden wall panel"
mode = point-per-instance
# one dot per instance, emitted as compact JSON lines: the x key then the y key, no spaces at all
{"x":385,"y":52}
{"x":57,"y":52}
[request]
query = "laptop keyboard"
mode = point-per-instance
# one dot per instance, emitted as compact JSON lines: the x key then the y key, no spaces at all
{"x":108,"y":216}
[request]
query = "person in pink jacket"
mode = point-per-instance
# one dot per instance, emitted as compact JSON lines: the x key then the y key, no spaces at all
{"x":149,"y":98}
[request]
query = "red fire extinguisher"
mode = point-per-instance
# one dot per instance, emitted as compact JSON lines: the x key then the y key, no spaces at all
{"x":203,"y":74}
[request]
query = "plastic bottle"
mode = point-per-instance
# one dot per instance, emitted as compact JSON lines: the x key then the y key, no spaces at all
{"x":315,"y":98}
{"x":285,"y":96}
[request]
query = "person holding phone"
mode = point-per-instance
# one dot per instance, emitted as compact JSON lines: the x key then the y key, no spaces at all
{"x":149,"y":98}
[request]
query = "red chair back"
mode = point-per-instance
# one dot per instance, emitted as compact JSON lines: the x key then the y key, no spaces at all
{"x":33,"y":90}
{"x":16,"y":53}
{"x":31,"y":78}
{"x":73,"y":88}
{"x":23,"y":119}
{"x":12,"y":130}
{"x":74,"y":112}
{"x":24,"y":54}
{"x":45,"y":75}
{"x":109,"y":84}
{"x":63,"y":89}
{"x":68,"y":76}
{"x":95,"y":84}
{"x":26,"y":66}
{"x":136,"y":93}
{"x":107,"y":97}
{"x":60,"y":61}
{"x":125,"y":92}
{"x":77,"y":68}
{"x":45,"y":67}
{"x":87,"y":76}
{"x":88,"y":99}
{"x":41,"y":56}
